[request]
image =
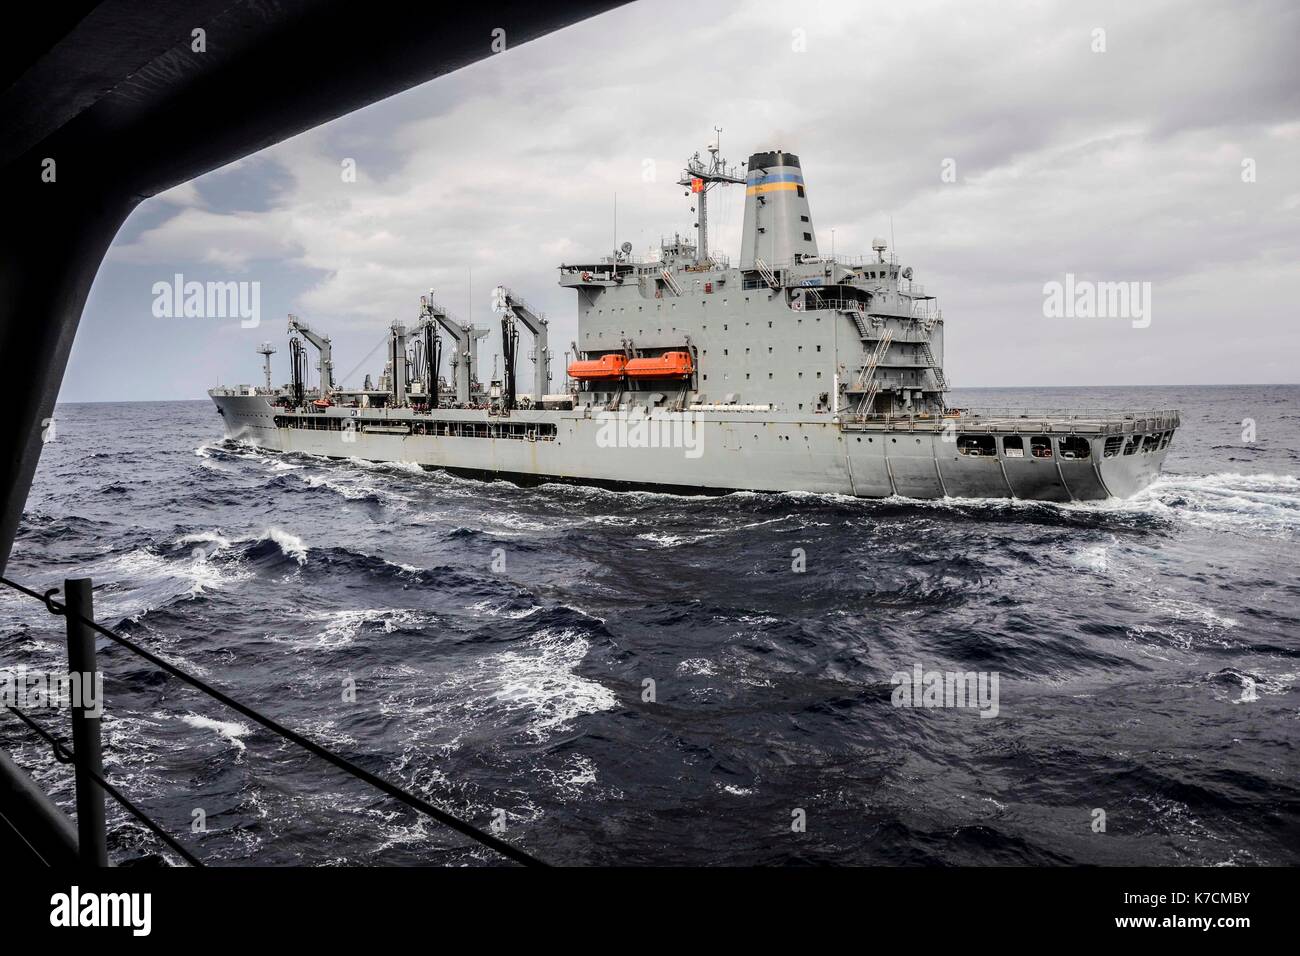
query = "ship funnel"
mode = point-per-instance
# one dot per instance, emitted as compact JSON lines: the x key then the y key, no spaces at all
{"x":778,"y":226}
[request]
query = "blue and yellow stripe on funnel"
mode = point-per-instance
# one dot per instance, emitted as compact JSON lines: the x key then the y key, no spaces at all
{"x":772,"y":182}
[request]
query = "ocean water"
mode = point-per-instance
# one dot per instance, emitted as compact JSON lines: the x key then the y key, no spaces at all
{"x":500,"y":641}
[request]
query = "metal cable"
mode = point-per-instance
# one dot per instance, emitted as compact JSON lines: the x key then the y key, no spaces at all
{"x":378,"y":345}
{"x":379,"y":783}
{"x":63,"y":755}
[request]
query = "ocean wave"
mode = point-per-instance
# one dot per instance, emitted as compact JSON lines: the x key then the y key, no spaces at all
{"x":342,"y":627}
{"x":230,"y":730}
{"x":534,"y":687}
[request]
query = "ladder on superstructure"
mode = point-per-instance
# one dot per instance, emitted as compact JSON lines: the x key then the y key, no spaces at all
{"x":927,"y":323}
{"x":766,"y":272}
{"x":859,"y":318}
{"x":867,"y":377}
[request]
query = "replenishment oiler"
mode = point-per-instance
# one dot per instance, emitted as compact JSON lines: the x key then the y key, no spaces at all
{"x":788,"y":371}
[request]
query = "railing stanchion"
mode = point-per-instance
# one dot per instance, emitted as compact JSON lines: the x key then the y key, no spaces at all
{"x":92,"y":845}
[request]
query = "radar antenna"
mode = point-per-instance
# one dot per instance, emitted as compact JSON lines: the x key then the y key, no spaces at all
{"x":700,"y":177}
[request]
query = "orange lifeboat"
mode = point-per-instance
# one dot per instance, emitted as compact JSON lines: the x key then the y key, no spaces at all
{"x":322,"y":403}
{"x":668,"y":365}
{"x":597,"y":370}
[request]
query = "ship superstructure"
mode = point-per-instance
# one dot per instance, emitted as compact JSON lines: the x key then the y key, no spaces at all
{"x":789,"y":370}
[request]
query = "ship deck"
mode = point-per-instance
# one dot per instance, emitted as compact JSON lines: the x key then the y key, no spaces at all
{"x":1026,"y":420}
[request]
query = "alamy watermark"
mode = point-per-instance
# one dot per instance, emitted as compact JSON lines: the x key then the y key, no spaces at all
{"x":974,"y":690}
{"x":179,"y":299}
{"x":635,"y":428}
{"x":1084,"y":299}
{"x":75,"y":908}
{"x":34,"y":690}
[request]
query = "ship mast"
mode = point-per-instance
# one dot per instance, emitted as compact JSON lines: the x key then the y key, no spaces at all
{"x":700,"y":177}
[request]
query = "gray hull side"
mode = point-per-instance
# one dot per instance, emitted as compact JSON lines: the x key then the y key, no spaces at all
{"x":735,"y":453}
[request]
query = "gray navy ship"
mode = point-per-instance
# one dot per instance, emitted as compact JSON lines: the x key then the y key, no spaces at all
{"x":787,"y":371}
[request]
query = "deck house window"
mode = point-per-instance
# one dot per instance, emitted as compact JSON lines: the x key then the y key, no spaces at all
{"x":1040,"y":446}
{"x":976,"y":446}
{"x":1013,"y":446}
{"x":1074,"y":448}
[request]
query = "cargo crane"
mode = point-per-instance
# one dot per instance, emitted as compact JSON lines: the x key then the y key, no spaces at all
{"x":322,"y":343}
{"x":464,"y":360}
{"x":514,"y":310}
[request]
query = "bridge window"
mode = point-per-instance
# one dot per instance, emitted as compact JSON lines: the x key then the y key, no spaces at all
{"x":1040,"y":446}
{"x":1074,"y":448}
{"x":1134,"y":443}
{"x":1113,"y":444}
{"x":1150,"y":443}
{"x":1013,"y":446}
{"x":977,"y":446}
{"x":1168,"y":437}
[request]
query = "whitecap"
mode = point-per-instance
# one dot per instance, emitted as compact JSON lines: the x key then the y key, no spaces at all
{"x":231,"y":730}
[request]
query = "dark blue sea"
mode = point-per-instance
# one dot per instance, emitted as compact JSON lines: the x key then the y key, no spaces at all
{"x":1147,"y":653}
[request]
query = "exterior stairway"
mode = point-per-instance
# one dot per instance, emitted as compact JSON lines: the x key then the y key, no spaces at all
{"x":939,"y":378}
{"x":867,"y":385}
{"x":860,"y":321}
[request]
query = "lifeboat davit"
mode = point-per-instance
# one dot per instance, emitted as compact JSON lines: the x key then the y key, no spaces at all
{"x":668,"y":365}
{"x":605,"y":368}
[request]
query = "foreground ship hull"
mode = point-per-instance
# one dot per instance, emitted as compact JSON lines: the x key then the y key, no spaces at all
{"x":1059,"y":459}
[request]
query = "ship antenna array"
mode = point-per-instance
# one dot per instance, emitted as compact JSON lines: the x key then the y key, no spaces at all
{"x":699,"y":177}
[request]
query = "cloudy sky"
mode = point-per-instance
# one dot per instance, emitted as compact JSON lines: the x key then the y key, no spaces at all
{"x":1130,"y":164}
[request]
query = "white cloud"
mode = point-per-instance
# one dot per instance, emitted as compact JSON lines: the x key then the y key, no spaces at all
{"x":1122,"y":165}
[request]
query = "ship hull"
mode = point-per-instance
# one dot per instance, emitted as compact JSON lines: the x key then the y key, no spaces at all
{"x":720,"y":452}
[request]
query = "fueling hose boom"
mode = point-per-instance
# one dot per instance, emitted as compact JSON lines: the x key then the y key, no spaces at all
{"x":322,"y":343}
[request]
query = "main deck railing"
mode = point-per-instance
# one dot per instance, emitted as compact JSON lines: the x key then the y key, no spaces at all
{"x":1092,"y":420}
{"x":1004,"y":411}
{"x":85,"y":754}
